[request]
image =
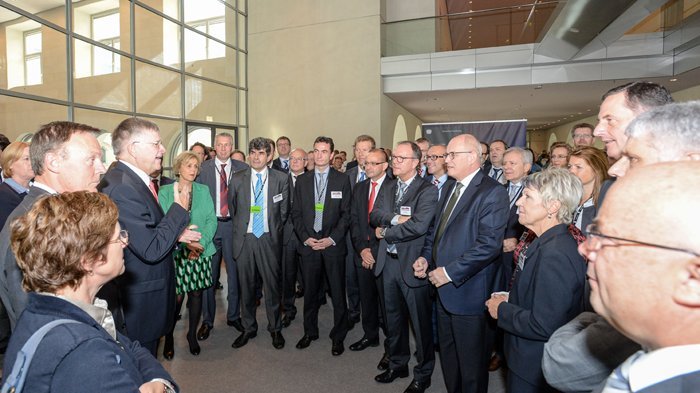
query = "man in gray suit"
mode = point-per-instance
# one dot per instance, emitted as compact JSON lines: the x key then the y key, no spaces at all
{"x":65,"y":157}
{"x":259,"y":201}
{"x":216,"y":174}
{"x":650,"y":292}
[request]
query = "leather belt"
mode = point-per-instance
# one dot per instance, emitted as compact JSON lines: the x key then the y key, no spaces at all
{"x":223,"y":219}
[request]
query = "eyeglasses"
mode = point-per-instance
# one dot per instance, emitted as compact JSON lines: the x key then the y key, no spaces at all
{"x":451,"y":154}
{"x":123,"y":238}
{"x":582,"y":136}
{"x":400,"y":159}
{"x":594,"y":234}
{"x":434,"y":157}
{"x":155,"y":144}
{"x":374,"y":163}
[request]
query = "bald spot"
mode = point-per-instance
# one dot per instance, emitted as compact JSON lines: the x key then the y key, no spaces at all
{"x":656,"y":204}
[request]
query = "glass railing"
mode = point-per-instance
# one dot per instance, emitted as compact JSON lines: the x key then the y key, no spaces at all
{"x":522,"y":24}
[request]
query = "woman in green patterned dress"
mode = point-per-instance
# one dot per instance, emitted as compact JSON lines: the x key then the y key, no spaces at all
{"x":193,"y":260}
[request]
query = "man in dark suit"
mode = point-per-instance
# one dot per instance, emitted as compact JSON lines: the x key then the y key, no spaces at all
{"x":650,"y":292}
{"x":65,"y":157}
{"x":402,"y":214}
{"x":363,"y":144}
{"x":321,"y":215}
{"x":365,"y":245}
{"x":147,"y":288}
{"x":437,"y":171}
{"x":424,"y":145}
{"x":496,"y":150}
{"x":216,"y":174}
{"x":284,"y":147}
{"x":465,"y":240}
{"x":259,"y":201}
{"x":291,"y":243}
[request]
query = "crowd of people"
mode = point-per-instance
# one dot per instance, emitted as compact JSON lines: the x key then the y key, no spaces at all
{"x":577,"y":271}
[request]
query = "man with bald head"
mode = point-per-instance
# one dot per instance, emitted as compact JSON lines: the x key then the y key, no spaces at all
{"x":435,"y":162}
{"x":650,"y":292}
{"x":459,"y":257}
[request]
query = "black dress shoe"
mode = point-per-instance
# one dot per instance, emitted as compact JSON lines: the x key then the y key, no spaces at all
{"x":338,"y":348}
{"x":287,"y":320}
{"x":169,"y":347}
{"x":384,"y":363}
{"x":389,"y":376}
{"x":364,"y":343}
{"x":417,"y":387}
{"x":243,"y":339}
{"x":194,"y":345}
{"x":236,"y":324}
{"x":299,"y":293}
{"x":306,"y":341}
{"x":219,"y":286}
{"x":203,"y":332}
{"x":277,"y":340}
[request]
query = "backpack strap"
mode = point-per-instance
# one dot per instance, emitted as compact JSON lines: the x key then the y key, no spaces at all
{"x":15,"y":381}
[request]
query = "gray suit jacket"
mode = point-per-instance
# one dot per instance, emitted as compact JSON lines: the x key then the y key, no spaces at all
{"x":209,"y":176}
{"x":277,"y":207}
{"x":11,"y":292}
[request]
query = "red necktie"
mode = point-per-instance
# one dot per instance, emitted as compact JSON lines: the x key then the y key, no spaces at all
{"x":223,"y":192}
{"x":372,"y":195}
{"x":152,"y":187}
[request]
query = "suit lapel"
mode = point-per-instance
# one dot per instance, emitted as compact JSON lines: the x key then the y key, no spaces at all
{"x":466,"y":198}
{"x":246,"y":197}
{"x":140,"y":186}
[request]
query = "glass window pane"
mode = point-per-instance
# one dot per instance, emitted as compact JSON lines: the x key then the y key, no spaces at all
{"x":242,"y":37}
{"x":52,"y":11}
{"x":242,"y":76}
{"x":195,"y":47}
{"x":242,"y":5}
{"x":99,"y":79}
{"x":198,"y":10}
{"x":211,"y":102}
{"x":157,"y":39}
{"x":19,"y":116}
{"x":242,"y":106}
{"x":32,"y":42}
{"x":106,"y":26}
{"x":212,"y":17}
{"x":157,"y":90}
{"x":208,"y":58}
{"x":167,"y":7}
{"x":33,"y":71}
{"x":103,"y":20}
{"x":106,"y":122}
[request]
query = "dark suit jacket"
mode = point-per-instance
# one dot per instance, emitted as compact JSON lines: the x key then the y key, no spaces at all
{"x":239,"y":196}
{"x":472,"y":241}
{"x":9,"y":200}
{"x":361,"y":232}
{"x":409,"y":237}
{"x":209,"y":176}
{"x":447,"y":186}
{"x":11,"y":292}
{"x":514,"y":227}
{"x":336,"y":211}
{"x":147,"y":287}
{"x":546,"y":295}
{"x":277,"y":164}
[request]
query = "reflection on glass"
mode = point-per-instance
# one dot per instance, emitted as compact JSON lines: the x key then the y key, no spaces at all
{"x":202,"y":10}
{"x":211,"y":102}
{"x":208,"y":58}
{"x":93,"y":85}
{"x":52,"y":11}
{"x":157,"y":90}
{"x":105,"y":21}
{"x":168,"y":7}
{"x":27,"y":115}
{"x":157,"y":39}
{"x":32,"y":57}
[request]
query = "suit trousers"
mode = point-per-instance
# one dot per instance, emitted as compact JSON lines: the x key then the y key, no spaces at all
{"x":290,"y":266}
{"x":352,"y":282}
{"x":464,"y":351}
{"x":515,"y":384}
{"x":258,"y":259}
{"x":369,"y":299}
{"x":223,"y":241}
{"x":313,"y":267}
{"x":403,"y":303}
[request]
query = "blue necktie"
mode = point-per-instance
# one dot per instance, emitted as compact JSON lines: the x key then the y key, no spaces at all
{"x":258,"y":223}
{"x":362,"y":177}
{"x":320,"y":197}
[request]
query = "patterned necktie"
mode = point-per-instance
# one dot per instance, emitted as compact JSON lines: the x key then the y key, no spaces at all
{"x":513,"y":192}
{"x":152,"y":187}
{"x":285,"y":165}
{"x":362,"y":176}
{"x":258,"y":218}
{"x":399,"y":196}
{"x":497,"y":172}
{"x":320,"y":194}
{"x":446,"y":214}
{"x":223,"y":192}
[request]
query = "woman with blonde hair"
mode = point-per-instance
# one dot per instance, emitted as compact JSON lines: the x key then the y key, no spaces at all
{"x":17,"y":171}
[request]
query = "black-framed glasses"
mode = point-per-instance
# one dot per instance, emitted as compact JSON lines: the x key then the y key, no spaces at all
{"x":592,"y":232}
{"x":433,"y":157}
{"x":123,"y":238}
{"x":368,"y":163}
{"x":451,"y":154}
{"x":400,"y":159}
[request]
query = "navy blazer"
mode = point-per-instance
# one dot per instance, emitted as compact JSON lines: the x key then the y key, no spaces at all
{"x":421,"y":198}
{"x":514,"y":228}
{"x":79,"y":357}
{"x":9,"y":200}
{"x":239,"y":197}
{"x":147,"y":287}
{"x":546,"y":295}
{"x":336,"y":211}
{"x":472,"y":241}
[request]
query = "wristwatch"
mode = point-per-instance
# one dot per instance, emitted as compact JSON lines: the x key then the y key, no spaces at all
{"x":383,"y":232}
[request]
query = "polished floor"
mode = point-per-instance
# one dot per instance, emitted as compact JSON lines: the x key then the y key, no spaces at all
{"x":260,"y":368}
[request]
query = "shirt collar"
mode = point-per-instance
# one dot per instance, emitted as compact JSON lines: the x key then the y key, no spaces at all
{"x":219,"y":162}
{"x":98,"y":310}
{"x":465,"y":182}
{"x":140,"y":173}
{"x":254,"y":173}
{"x":16,"y":186}
{"x":45,"y":187}
{"x":663,"y":364}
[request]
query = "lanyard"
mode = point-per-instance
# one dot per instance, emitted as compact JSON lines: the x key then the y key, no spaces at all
{"x":322,"y":192}
{"x":252,"y":189}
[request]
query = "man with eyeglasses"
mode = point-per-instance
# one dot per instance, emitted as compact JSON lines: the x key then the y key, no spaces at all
{"x":147,"y":288}
{"x":582,"y":134}
{"x":365,"y":243}
{"x":216,"y":174}
{"x":644,"y":278}
{"x":435,"y":162}
{"x":402,"y":214}
{"x":291,"y":243}
{"x":459,"y":258}
{"x":284,"y":147}
{"x":424,"y":145}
